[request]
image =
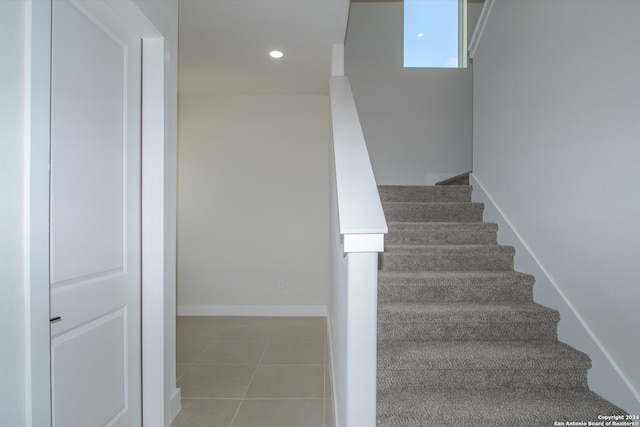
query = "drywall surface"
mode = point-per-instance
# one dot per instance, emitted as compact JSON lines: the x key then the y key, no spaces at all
{"x":12,"y":217}
{"x":556,"y":108}
{"x":253,"y":191}
{"x":417,"y":122}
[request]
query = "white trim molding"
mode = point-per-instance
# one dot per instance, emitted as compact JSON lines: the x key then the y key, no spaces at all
{"x":37,"y":115}
{"x":363,"y":243}
{"x":176,"y":403}
{"x":252,"y":310}
{"x":482,"y":22}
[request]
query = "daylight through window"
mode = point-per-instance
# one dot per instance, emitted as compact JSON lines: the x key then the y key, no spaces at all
{"x":435,"y":34}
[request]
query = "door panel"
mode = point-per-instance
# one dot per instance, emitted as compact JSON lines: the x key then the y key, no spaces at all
{"x":89,"y":207}
{"x":95,"y":217}
{"x":102,"y":342}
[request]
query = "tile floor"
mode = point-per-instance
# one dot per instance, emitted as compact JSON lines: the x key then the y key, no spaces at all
{"x":253,"y":372}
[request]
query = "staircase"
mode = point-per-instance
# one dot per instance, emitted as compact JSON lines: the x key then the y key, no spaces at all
{"x":460,"y":340}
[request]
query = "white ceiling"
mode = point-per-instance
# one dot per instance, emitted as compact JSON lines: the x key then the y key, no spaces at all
{"x":224,"y":45}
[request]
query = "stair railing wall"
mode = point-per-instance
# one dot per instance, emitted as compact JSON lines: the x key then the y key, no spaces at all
{"x":358,"y":226}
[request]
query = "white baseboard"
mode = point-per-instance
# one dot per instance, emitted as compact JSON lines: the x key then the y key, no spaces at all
{"x":605,"y":377}
{"x":252,"y":310}
{"x":175,"y":404}
{"x":332,"y":374}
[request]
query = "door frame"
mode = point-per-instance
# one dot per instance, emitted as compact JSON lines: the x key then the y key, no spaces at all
{"x":156,"y":281}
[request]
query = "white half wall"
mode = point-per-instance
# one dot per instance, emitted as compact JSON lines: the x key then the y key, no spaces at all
{"x":556,"y":108}
{"x":417,"y":122}
{"x":253,"y":221}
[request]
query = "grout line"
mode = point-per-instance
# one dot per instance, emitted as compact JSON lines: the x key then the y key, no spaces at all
{"x":191,"y":364}
{"x":249,"y":383}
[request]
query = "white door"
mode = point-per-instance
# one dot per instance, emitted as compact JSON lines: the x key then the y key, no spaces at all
{"x":95,"y":217}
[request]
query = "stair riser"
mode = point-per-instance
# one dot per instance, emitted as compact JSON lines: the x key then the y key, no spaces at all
{"x":442,"y":235}
{"x":454,"y":293}
{"x":424,"y":194}
{"x":426,"y":379}
{"x":446,"y":212}
{"x":434,"y":262}
{"x":466,"y":331}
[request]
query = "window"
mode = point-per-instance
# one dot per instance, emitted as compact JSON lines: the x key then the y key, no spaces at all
{"x":435,"y":33}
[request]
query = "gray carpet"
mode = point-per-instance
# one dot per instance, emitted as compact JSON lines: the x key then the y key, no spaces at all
{"x":460,"y":340}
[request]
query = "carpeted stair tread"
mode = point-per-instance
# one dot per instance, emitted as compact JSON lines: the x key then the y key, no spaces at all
{"x":468,"y":330}
{"x":399,"y":193}
{"x":461,"y":179}
{"x":400,"y":356}
{"x":450,"y":250}
{"x":412,"y":312}
{"x":446,"y":257}
{"x":423,"y":366}
{"x":495,"y":408}
{"x":433,"y":211}
{"x":444,"y":233}
{"x":451,"y":286}
{"x":445,"y":278}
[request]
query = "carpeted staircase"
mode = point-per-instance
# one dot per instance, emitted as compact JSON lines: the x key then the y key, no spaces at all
{"x":460,"y":340}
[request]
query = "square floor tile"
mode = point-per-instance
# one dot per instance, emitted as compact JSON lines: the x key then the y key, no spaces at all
{"x":303,"y":321}
{"x":293,"y":332}
{"x":277,"y":381}
{"x":294,"y":353}
{"x":246,"y":333}
{"x":280,"y":413}
{"x":200,"y":327}
{"x":188,"y":350}
{"x":216,"y":381}
{"x":252,"y":321}
{"x":233,"y":353}
{"x":182,"y":321}
{"x":206,"y":413}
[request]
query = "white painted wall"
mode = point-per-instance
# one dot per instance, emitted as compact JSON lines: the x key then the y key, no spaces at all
{"x":417,"y":122}
{"x":253,"y":194}
{"x":556,"y":146}
{"x":12,"y":215}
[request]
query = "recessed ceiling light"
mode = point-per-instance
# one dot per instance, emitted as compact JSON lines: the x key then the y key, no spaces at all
{"x":420,"y":34}
{"x":276,"y":54}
